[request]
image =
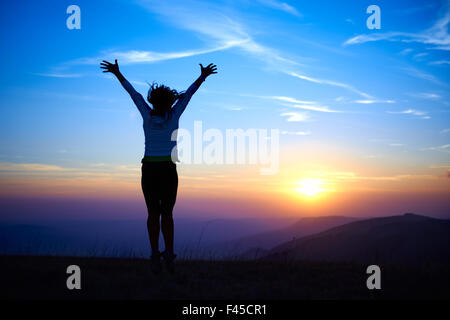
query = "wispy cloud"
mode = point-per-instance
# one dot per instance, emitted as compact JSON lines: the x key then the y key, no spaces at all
{"x":93,"y":169}
{"x":211,"y":22}
{"x":420,"y":55}
{"x":445,"y":131}
{"x":295,"y":116}
{"x":139,"y":83}
{"x":296,"y":133}
{"x":444,"y":148}
{"x":329,"y":82}
{"x":352,"y":176}
{"x":439,"y":166}
{"x":283,"y":6}
{"x":312,"y":107}
{"x":349,"y":21}
{"x":421,"y":75}
{"x":300,"y":104}
{"x":391,"y":36}
{"x":396,"y":145}
{"x":405,"y":51}
{"x":142,"y":56}
{"x":426,"y":95}
{"x":43,"y":178}
{"x":439,"y":62}
{"x":437,"y":35}
{"x":287,"y":99}
{"x":417,"y":113}
{"x":59,"y":75}
{"x":203,"y":19}
{"x":9,"y":166}
{"x":234,"y":108}
{"x":208,"y":20}
{"x":369,"y":101}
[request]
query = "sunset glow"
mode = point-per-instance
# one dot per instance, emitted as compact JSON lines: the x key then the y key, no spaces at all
{"x":310,"y":187}
{"x":362,"y":115}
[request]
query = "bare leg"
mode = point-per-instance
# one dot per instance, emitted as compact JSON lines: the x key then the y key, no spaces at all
{"x":153,"y":229}
{"x":167,"y":204}
{"x":167,"y":230}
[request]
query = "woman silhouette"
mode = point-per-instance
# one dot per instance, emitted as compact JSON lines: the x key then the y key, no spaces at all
{"x":159,"y":174}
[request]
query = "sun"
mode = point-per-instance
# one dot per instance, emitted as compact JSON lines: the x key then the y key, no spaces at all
{"x":310,"y":187}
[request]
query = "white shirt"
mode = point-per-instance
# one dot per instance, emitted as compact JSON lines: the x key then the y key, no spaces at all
{"x":158,"y":130}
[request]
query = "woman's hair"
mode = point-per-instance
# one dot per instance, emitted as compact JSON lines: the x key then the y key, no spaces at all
{"x":162,"y":98}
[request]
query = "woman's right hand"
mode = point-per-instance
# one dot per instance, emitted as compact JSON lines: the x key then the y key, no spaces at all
{"x":110,"y":67}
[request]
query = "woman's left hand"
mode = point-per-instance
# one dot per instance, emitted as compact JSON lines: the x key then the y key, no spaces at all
{"x":209,"y":70}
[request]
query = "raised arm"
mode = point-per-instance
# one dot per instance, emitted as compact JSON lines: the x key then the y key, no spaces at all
{"x":138,"y":100}
{"x":182,"y":103}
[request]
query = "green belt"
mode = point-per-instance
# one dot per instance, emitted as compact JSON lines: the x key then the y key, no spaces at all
{"x":156,"y":158}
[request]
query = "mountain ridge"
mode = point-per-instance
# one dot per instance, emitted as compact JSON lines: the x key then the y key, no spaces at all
{"x":266,"y":240}
{"x":402,"y":239}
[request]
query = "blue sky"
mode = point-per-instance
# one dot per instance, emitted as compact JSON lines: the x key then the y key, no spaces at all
{"x":311,"y":69}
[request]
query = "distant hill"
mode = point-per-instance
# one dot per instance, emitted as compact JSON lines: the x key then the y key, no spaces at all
{"x":122,"y":238}
{"x":407,"y":239}
{"x":254,"y":245}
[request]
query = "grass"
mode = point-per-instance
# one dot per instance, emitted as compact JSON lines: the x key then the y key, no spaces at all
{"x":44,"y":277}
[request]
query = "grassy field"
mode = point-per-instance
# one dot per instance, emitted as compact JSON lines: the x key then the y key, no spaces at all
{"x":42,"y":277}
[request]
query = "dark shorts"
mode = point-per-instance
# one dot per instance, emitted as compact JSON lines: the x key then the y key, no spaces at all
{"x":159,"y":184}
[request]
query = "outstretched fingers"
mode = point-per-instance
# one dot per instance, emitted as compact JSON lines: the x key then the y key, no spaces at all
{"x":209,"y":69}
{"x":105,"y":65}
{"x":108,"y":66}
{"x":106,"y":69}
{"x":212,"y":68}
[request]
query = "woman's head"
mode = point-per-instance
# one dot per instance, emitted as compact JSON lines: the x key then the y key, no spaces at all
{"x":162,"y":98}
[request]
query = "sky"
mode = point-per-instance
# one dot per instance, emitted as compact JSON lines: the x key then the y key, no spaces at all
{"x":363,"y":114}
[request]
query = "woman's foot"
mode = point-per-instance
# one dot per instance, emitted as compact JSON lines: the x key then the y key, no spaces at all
{"x":169,"y":258}
{"x":155,"y":263}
